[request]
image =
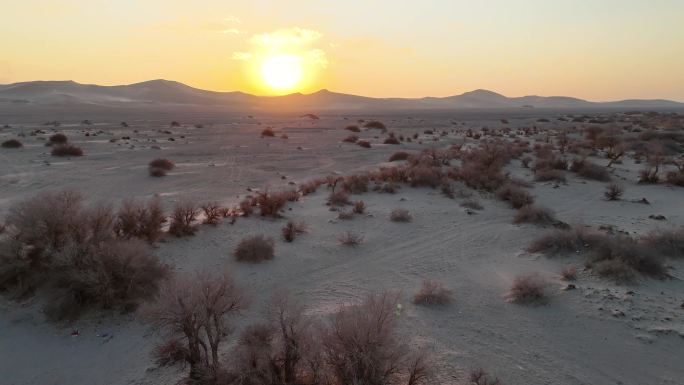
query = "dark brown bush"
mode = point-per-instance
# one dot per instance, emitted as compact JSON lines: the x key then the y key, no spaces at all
{"x":432,"y":293}
{"x":292,"y":230}
{"x":515,"y":196}
{"x":353,"y":128}
{"x":669,"y":243}
{"x":159,"y":167}
{"x":613,"y":191}
{"x":351,"y":239}
{"x":254,"y":249}
{"x":246,"y":207}
{"x":400,"y":215}
{"x":391,"y":140}
{"x":12,"y":143}
{"x":183,"y":219}
{"x":355,"y":183}
{"x":170,"y":352}
{"x":472,"y":204}
{"x":66,"y":150}
{"x":590,"y":170}
{"x":480,"y":377}
{"x":569,"y":273}
{"x":351,"y":139}
{"x":364,"y":143}
{"x":267,"y":132}
{"x":117,"y":274}
{"x":400,"y":155}
{"x":212,"y":213}
{"x":345,"y":215}
{"x":270,"y":204}
{"x":144,"y":221}
{"x":424,"y":176}
{"x":675,"y":178}
{"x":534,"y":214}
{"x":359,"y":207}
{"x":649,"y":175}
{"x":529,"y":290}
{"x":58,"y":138}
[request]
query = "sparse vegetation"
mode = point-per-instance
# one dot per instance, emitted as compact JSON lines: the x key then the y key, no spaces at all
{"x":529,"y":289}
{"x":12,"y":143}
{"x":159,"y":167}
{"x":534,"y":214}
{"x":433,"y":293}
{"x":400,"y":215}
{"x":183,"y":219}
{"x":254,"y":249}
{"x":66,"y":150}
{"x":292,"y":230}
{"x":613,"y":191}
{"x":351,"y":239}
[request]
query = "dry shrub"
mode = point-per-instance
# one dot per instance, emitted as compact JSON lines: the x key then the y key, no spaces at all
{"x":364,"y":143}
{"x":589,"y":170}
{"x":549,"y":174}
{"x":359,"y":207}
{"x":482,"y":167}
{"x":11,"y":143}
{"x":669,"y":243}
{"x":472,"y":204}
{"x":267,"y":132}
{"x":58,"y":138}
{"x":66,"y":150}
{"x":361,"y":346}
{"x":446,"y":189}
{"x":375,"y":124}
{"x":399,"y":155}
{"x":292,"y":230}
{"x":351,"y":139}
{"x":424,"y":176}
{"x":183,"y":219}
{"x":212,"y":213}
{"x":569,"y":273}
{"x":270,"y":204}
{"x":246,"y":207}
{"x":355,"y":183}
{"x":432,"y":293}
{"x":649,"y":175}
{"x":170,"y":352}
{"x":529,"y":290}
{"x":351,"y":239}
{"x":400,"y":215}
{"x":534,"y":214}
{"x":338,"y":198}
{"x":613,"y":191}
{"x":675,"y":178}
{"x":353,"y":128}
{"x":159,"y":167}
{"x":254,"y":249}
{"x":391,"y":140}
{"x":116,"y":274}
{"x":310,"y":187}
{"x":480,"y":377}
{"x":515,"y":196}
{"x":345,"y":215}
{"x":140,"y":220}
{"x":197,"y":310}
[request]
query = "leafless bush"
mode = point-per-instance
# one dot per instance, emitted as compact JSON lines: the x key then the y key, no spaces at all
{"x":197,"y":310}
{"x":364,"y":143}
{"x":267,"y":132}
{"x":254,"y":249}
{"x":391,"y":140}
{"x":399,"y":155}
{"x":246,"y":207}
{"x":649,"y":175}
{"x":534,"y":214}
{"x":351,"y":239}
{"x":212,"y":213}
{"x":424,"y":176}
{"x":480,"y":377}
{"x":351,"y":139}
{"x":375,"y":124}
{"x":675,"y":178}
{"x":338,"y":198}
{"x":345,"y":215}
{"x":589,"y":170}
{"x":549,"y":174}
{"x":669,"y":243}
{"x":353,"y":128}
{"x":11,"y":143}
{"x":292,"y":230}
{"x":472,"y":204}
{"x":66,"y":150}
{"x":361,"y":346}
{"x":355,"y":183}
{"x":613,"y":191}
{"x":400,"y":215}
{"x":136,"y":219}
{"x":515,"y":196}
{"x":569,"y":273}
{"x":170,"y":352}
{"x":183,"y":219}
{"x":270,"y":204}
{"x":432,"y":293}
{"x":159,"y":167}
{"x":529,"y":290}
{"x":359,"y":207}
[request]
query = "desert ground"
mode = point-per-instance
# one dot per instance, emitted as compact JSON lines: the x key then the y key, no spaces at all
{"x":595,"y":329}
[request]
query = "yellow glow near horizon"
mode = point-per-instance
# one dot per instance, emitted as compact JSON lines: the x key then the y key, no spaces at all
{"x":282,"y":72}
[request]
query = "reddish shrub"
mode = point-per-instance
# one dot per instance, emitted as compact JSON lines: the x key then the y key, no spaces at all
{"x":400,"y":155}
{"x":548,"y":174}
{"x":424,"y":176}
{"x":432,"y":293}
{"x":359,"y":207}
{"x":529,"y":290}
{"x":66,"y":150}
{"x":246,"y":207}
{"x":515,"y":196}
{"x":375,"y":124}
{"x":675,"y":178}
{"x":267,"y":132}
{"x":338,"y":198}
{"x":254,"y":249}
{"x":355,"y":183}
{"x":364,"y":143}
{"x":351,"y":239}
{"x":292,"y":230}
{"x":135,"y":219}
{"x":353,"y":128}
{"x":534,"y":214}
{"x":270,"y":204}
{"x":391,"y":140}
{"x":57,"y":139}
{"x":212,"y":213}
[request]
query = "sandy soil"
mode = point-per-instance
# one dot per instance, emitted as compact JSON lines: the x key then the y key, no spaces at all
{"x":598,"y":334}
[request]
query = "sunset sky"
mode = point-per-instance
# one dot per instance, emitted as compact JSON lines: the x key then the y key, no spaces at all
{"x":594,"y":49}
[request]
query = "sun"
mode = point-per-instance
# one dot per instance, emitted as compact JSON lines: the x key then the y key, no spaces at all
{"x":282,"y":72}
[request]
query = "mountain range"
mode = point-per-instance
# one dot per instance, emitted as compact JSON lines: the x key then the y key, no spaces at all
{"x":165,"y":93}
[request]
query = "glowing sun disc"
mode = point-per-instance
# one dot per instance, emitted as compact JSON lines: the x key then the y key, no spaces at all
{"x":282,"y":72}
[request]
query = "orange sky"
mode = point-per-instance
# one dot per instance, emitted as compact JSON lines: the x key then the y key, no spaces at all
{"x":598,"y":50}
